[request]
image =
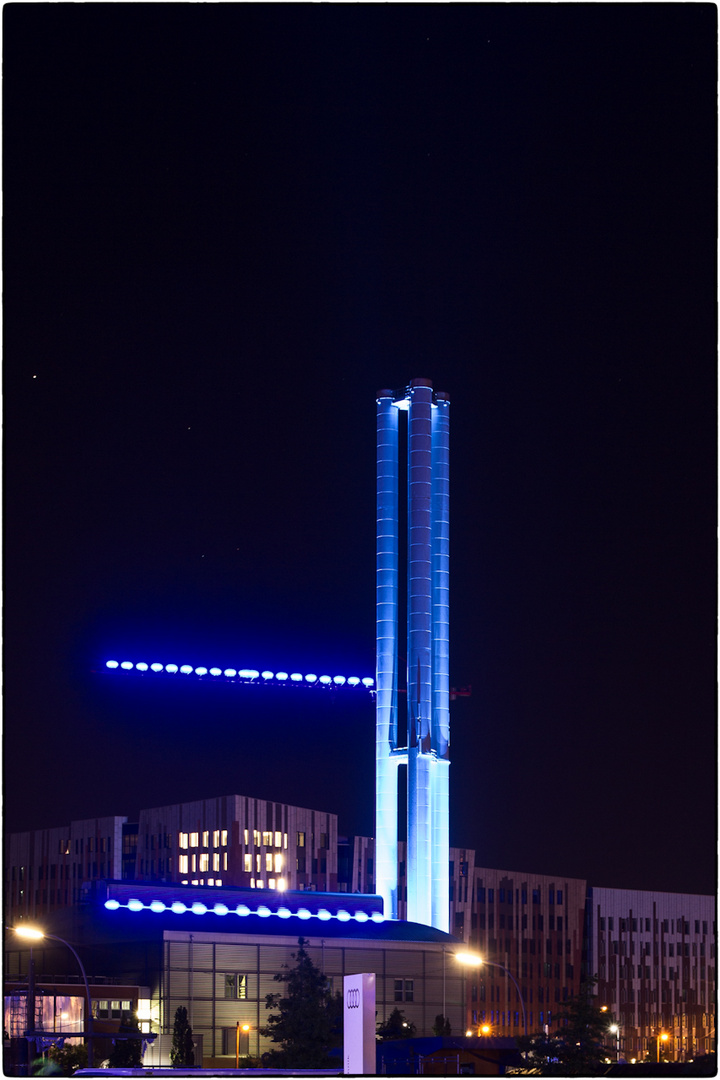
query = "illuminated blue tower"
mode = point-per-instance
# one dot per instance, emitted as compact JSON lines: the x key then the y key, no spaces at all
{"x":425,"y":751}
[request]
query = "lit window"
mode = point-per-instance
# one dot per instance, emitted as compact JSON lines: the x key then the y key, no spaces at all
{"x":247,"y":838}
{"x":183,"y":864}
{"x":225,"y":860}
{"x":271,"y":882}
{"x":278,"y":839}
{"x":301,"y":839}
{"x":267,"y":839}
{"x":206,"y":838}
{"x":236,"y":986}
{"x":269,"y":861}
{"x":248,"y":863}
{"x":256,"y":838}
{"x":193,"y":839}
{"x":223,"y":838}
{"x":216,"y":838}
{"x":252,"y":882}
{"x":257,"y":862}
{"x":284,"y":840}
{"x":183,"y":840}
{"x":216,"y":861}
{"x":194,"y":863}
{"x":218,"y":881}
{"x":278,"y":864}
{"x":204,"y":863}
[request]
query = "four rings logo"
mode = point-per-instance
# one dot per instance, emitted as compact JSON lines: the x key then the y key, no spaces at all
{"x":353,"y":999}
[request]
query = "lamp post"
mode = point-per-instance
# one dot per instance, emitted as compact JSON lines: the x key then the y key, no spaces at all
{"x":30,"y":934}
{"x":472,"y":960}
{"x":614,"y":1029}
{"x":662,"y":1038}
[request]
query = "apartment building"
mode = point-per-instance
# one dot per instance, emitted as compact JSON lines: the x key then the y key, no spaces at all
{"x":228,"y":840}
{"x":654,"y":956}
{"x":46,"y":869}
{"x":241,"y":841}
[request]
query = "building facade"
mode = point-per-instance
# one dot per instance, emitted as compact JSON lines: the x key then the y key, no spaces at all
{"x":539,"y":934}
{"x":46,"y":869}
{"x":654,"y":957}
{"x":216,"y":951}
{"x":229,"y":840}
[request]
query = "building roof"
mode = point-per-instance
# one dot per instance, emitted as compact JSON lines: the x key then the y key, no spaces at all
{"x":148,"y":910}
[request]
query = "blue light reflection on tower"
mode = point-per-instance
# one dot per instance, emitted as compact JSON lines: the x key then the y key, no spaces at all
{"x":426,"y":751}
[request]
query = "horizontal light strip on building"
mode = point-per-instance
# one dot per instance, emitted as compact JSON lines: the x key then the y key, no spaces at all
{"x":178,"y":907}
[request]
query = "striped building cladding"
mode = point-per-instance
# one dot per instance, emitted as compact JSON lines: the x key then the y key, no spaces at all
{"x":241,"y":841}
{"x":654,"y":955}
{"x":228,"y":840}
{"x":223,"y":980}
{"x":45,"y":869}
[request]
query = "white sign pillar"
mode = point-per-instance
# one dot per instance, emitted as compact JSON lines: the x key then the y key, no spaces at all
{"x":359,"y":1025}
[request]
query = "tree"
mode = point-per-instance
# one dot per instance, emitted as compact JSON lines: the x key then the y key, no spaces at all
{"x":309,"y":1021}
{"x":442,"y":1025}
{"x":182,"y":1052}
{"x":127,"y":1053}
{"x":68,"y":1058}
{"x":396,"y":1027}
{"x":577,"y":1047}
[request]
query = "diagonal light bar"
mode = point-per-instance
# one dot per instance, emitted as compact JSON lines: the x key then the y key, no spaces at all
{"x":241,"y":675}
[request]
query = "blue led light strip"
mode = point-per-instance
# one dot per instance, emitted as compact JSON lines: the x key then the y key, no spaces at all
{"x":197,"y":908}
{"x":245,"y":675}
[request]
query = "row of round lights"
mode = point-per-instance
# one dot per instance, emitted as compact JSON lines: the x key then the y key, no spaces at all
{"x":179,"y":908}
{"x":243,"y":673}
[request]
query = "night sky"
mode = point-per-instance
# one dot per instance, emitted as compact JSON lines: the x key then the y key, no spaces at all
{"x":226,"y":228}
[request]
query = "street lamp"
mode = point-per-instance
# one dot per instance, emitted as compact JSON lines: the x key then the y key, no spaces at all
{"x":472,"y":960}
{"x":614,"y":1029}
{"x":31,"y":934}
{"x":662,"y":1037}
{"x":245,"y":1028}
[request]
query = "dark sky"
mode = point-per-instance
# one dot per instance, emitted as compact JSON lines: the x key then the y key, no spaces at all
{"x":226,"y":227}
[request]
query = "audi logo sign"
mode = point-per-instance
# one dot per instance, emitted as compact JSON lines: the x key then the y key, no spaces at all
{"x":359,"y":1025}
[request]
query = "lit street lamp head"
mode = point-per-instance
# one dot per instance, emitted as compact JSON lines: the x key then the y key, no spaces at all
{"x":28,"y":932}
{"x":471,"y":959}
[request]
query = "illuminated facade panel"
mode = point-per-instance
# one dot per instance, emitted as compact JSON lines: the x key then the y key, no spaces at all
{"x":426,"y":749}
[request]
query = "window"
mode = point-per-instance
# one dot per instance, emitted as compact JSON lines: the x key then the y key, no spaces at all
{"x":183,"y":840}
{"x":491,"y":896}
{"x":216,"y":861}
{"x":223,"y":838}
{"x":204,"y":863}
{"x":301,"y":839}
{"x":268,"y":861}
{"x":256,"y":838}
{"x":206,"y":838}
{"x":278,"y":839}
{"x":193,"y":839}
{"x":404,"y":990}
{"x":267,"y":839}
{"x":536,"y":896}
{"x":247,"y":863}
{"x":183,"y":864}
{"x":278,"y":863}
{"x":558,"y":896}
{"x":216,"y":838}
{"x":236,"y":986}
